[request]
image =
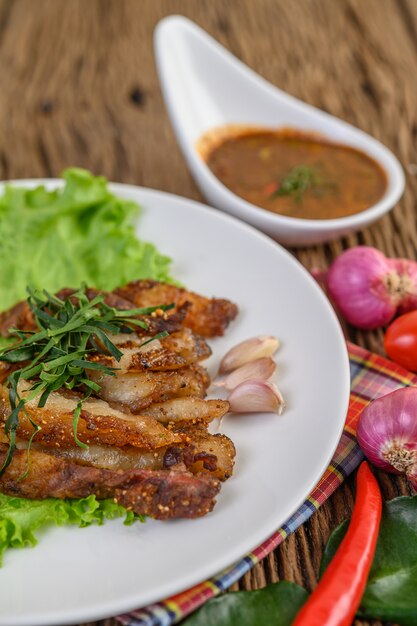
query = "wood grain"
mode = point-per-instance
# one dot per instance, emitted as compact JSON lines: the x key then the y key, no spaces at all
{"x":78,"y":87}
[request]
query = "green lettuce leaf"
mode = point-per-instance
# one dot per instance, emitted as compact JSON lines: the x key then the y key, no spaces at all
{"x":62,"y":238}
{"x":391,"y":591}
{"x":20,"y":518}
{"x":274,"y":605}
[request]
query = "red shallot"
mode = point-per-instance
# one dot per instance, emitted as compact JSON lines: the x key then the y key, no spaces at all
{"x":369,"y":289}
{"x":387,"y":432}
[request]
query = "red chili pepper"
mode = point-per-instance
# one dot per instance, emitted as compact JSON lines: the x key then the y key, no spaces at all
{"x":270,"y":188}
{"x":336,"y":598}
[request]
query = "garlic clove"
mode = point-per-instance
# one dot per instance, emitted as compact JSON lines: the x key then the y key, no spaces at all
{"x":256,"y":396}
{"x":261,"y":369}
{"x":249,"y":350}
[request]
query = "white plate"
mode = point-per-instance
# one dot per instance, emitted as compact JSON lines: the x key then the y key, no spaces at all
{"x":76,"y":575}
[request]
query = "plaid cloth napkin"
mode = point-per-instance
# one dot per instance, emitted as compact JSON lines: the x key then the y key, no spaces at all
{"x":372,"y":376}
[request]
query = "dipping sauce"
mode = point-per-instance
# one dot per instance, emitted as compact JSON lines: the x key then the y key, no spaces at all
{"x":297,"y":174}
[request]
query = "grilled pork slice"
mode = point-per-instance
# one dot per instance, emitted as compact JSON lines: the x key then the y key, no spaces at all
{"x":135,"y":391}
{"x":212,"y":453}
{"x":18,"y":316}
{"x":187,"y":410}
{"x":165,"y":494}
{"x":200,"y":453}
{"x":190,"y":346}
{"x":98,"y":422}
{"x":6,"y":369}
{"x":107,"y":457}
{"x":206,"y":317}
{"x":169,"y":353}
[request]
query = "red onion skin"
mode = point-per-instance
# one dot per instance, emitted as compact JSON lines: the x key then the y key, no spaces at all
{"x":356,"y":282}
{"x":388,"y":423}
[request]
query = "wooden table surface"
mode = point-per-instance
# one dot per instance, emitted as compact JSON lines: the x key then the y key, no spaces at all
{"x":78,"y":87}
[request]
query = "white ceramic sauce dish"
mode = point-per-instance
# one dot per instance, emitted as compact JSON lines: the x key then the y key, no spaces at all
{"x":205,"y":87}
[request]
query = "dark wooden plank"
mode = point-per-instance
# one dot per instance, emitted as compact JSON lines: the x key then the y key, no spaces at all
{"x":79,"y":87}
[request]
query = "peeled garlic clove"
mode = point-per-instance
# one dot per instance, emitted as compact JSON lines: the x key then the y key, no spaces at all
{"x":261,"y":369}
{"x":249,"y":350}
{"x":256,"y":396}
